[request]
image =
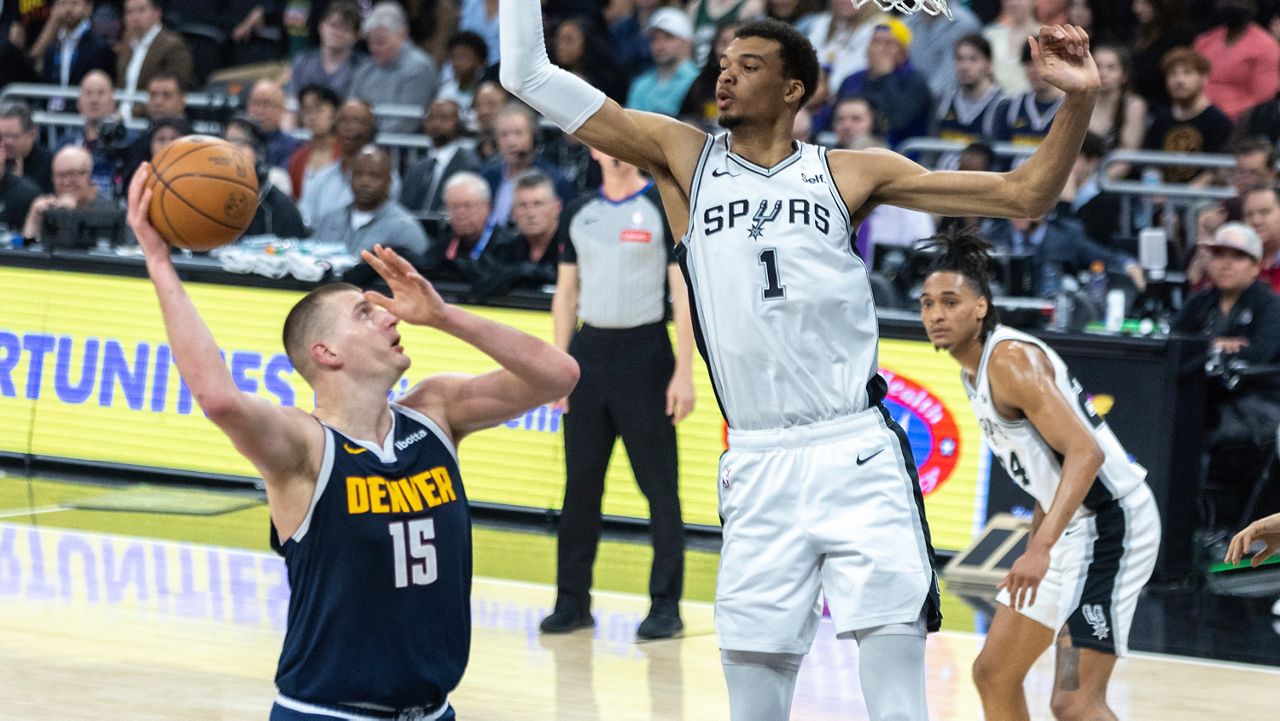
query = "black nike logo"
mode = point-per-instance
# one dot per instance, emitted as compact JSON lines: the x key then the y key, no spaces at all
{"x":718,"y":173}
{"x":862,"y":460}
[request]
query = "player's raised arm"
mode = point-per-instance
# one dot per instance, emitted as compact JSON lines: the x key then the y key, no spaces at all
{"x":533,"y":372}
{"x":648,"y":140}
{"x":1062,"y":57}
{"x":276,"y":440}
{"x":1023,"y":378}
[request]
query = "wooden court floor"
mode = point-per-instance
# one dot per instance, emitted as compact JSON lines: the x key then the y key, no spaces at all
{"x":97,"y":627}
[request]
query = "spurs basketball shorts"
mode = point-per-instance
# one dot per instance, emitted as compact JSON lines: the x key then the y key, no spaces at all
{"x":828,"y":509}
{"x":1096,"y":571}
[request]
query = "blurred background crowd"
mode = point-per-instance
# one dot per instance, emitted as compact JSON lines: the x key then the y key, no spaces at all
{"x":383,"y":122}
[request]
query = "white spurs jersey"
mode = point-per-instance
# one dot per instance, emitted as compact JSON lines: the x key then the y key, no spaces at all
{"x":1031,"y":462}
{"x":781,"y":302}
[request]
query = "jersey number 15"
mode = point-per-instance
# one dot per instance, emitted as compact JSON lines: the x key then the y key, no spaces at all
{"x":415,"y":555}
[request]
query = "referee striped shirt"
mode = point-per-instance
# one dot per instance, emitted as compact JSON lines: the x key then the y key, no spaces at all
{"x":622,"y":249}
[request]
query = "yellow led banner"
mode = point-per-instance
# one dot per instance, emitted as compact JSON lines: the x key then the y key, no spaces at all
{"x":86,"y":373}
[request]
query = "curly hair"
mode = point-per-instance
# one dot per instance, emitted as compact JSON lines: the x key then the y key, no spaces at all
{"x":964,"y":252}
{"x":799,"y":59}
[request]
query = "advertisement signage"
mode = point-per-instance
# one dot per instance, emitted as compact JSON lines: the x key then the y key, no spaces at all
{"x":86,"y":373}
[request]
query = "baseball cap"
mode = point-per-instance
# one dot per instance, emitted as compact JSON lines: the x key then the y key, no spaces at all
{"x":1239,"y":237}
{"x":671,"y":21}
{"x":897,"y":29}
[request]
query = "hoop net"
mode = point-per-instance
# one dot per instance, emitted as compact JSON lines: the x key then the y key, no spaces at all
{"x":910,"y":7}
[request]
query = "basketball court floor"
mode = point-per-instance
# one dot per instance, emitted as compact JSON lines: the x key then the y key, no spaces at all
{"x":112,"y":614}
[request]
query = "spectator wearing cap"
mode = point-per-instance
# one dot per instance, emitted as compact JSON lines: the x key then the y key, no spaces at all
{"x":892,"y":83}
{"x":399,"y":73}
{"x":662,"y":88}
{"x":266,"y":108}
{"x":1241,"y":317}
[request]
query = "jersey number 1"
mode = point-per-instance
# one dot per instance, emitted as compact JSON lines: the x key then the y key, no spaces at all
{"x":415,"y":556}
{"x":773,"y":287}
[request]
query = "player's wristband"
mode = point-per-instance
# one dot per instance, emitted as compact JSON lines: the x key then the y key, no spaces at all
{"x":564,"y":98}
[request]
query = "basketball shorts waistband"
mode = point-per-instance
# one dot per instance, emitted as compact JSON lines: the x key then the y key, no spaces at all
{"x":364,"y":712}
{"x":799,"y":436}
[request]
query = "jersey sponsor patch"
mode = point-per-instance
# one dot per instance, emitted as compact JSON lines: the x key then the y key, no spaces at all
{"x":635,"y":235}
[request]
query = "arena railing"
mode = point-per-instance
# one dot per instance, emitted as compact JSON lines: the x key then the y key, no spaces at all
{"x":198,"y":100}
{"x":1184,"y":198}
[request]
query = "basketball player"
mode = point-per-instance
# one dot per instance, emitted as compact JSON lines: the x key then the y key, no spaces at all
{"x":1095,"y":530}
{"x":365,"y":494}
{"x":818,"y":490}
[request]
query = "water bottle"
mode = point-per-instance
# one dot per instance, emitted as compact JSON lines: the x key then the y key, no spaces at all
{"x":1064,"y":305}
{"x":1146,"y":207}
{"x":1115,"y":310}
{"x":1097,"y":287}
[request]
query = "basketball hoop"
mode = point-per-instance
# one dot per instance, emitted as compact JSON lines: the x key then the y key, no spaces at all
{"x":910,"y":7}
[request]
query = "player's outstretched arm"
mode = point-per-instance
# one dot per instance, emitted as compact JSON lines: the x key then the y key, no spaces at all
{"x":278,"y":441}
{"x":1062,"y":56}
{"x":533,"y":372}
{"x":1022,"y":378}
{"x":654,"y":142}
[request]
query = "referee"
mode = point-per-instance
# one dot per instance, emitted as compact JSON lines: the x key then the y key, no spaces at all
{"x":617,"y":261}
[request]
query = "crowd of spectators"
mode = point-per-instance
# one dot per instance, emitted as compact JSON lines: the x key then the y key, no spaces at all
{"x":327,"y":77}
{"x":324,"y":80}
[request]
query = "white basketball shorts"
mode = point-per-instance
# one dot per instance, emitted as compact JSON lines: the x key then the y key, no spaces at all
{"x":1096,"y":571}
{"x":831,"y":508}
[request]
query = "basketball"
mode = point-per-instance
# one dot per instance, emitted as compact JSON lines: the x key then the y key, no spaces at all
{"x":204,"y":193}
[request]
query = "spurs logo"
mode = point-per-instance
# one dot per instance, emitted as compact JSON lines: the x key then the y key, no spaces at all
{"x":1097,"y":618}
{"x":760,"y":218}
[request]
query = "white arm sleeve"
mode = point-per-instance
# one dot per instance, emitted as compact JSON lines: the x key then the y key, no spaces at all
{"x":564,"y":98}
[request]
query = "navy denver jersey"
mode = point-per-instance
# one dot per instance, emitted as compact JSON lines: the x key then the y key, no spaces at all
{"x":380,"y":572}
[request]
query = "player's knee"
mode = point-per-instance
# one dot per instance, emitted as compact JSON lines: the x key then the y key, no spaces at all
{"x":990,"y":675}
{"x":1077,"y":706}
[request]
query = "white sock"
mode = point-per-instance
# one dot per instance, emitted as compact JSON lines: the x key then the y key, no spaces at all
{"x":760,"y":684}
{"x":891,"y":669}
